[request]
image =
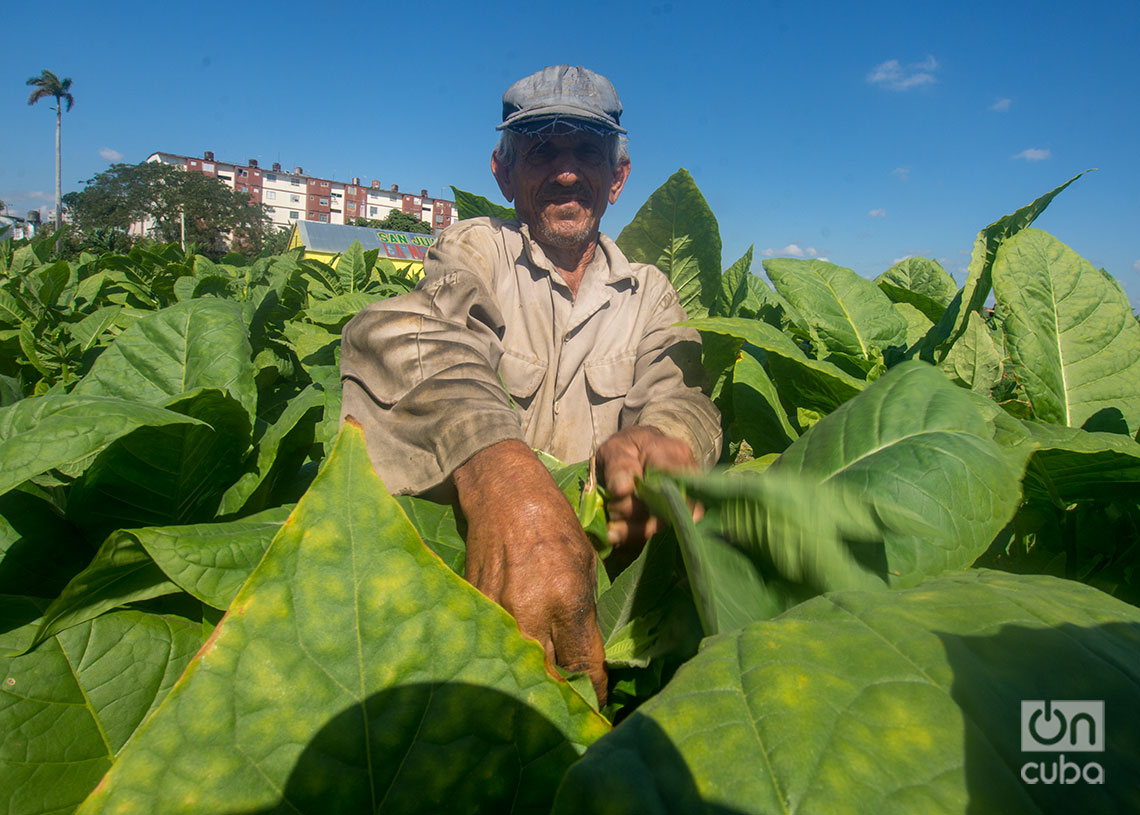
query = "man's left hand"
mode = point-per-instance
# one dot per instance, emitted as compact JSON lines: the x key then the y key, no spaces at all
{"x":624,"y":457}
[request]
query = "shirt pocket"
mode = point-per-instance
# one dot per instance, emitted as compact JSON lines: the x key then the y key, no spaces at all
{"x":521,"y":376}
{"x":608,"y":382}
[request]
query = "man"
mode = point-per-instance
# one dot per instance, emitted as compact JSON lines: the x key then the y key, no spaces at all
{"x":535,"y":333}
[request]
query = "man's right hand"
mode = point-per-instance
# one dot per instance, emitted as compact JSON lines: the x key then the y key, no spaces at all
{"x":526,"y":551}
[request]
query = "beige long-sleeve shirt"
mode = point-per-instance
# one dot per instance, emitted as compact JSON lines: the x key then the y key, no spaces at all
{"x":493,"y":346}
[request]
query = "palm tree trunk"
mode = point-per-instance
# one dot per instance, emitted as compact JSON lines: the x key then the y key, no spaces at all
{"x":58,"y":173}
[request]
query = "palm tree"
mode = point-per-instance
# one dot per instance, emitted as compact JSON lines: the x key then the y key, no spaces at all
{"x":48,"y":84}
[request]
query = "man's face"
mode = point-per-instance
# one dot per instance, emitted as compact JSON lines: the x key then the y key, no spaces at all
{"x":561,"y":186}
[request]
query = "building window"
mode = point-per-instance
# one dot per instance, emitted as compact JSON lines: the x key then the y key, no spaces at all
{"x":207,"y":168}
{"x":372,"y":210}
{"x":312,"y":197}
{"x":439,"y":219}
{"x":324,"y":218}
{"x":312,"y":216}
{"x":270,"y":177}
{"x":324,"y":183}
{"x":324,"y":202}
{"x":293,"y":199}
{"x":270,"y":210}
{"x":243,"y":173}
{"x":294,"y":215}
{"x":270,"y":195}
{"x":242,"y":188}
{"x":352,"y":205}
{"x":193,"y":164}
{"x":294,"y":181}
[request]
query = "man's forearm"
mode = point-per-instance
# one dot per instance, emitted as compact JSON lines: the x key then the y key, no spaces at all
{"x":527,"y":552}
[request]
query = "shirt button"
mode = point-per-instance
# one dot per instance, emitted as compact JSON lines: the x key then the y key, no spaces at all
{"x":565,"y":338}
{"x":555,"y":408}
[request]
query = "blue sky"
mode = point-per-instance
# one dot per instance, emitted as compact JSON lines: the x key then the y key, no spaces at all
{"x":861,"y":133}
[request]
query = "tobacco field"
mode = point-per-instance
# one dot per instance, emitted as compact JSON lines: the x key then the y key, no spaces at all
{"x":927,"y":513}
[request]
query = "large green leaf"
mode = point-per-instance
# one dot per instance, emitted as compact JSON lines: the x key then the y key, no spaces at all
{"x":766,"y":543}
{"x":435,"y":523}
{"x":974,"y":360}
{"x":89,"y":330}
{"x":917,"y":326}
{"x":1069,"y":464}
{"x":648,"y":611}
{"x":916,"y":447}
{"x":338,"y":310}
{"x":1070,"y":331}
{"x":355,"y":672}
{"x":353,"y":269}
{"x":470,"y":205}
{"x":212,"y":561}
{"x":174,"y":474}
{"x":201,"y":343}
{"x":758,"y":417}
{"x":121,"y":572}
{"x":848,"y":313}
{"x":208,"y":561}
{"x":808,"y":383}
{"x":67,"y":708}
{"x":978,"y":276}
{"x":921,"y":282}
{"x":281,"y":449}
{"x":884,"y":702}
{"x":39,"y":434}
{"x":728,"y":590}
{"x":734,"y":288}
{"x":676,"y":231}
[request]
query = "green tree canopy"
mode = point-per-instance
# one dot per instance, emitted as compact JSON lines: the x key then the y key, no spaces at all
{"x":216,"y":216}
{"x":397,"y":221}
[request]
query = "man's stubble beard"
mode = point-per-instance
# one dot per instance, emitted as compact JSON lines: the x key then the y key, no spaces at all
{"x":561,"y":239}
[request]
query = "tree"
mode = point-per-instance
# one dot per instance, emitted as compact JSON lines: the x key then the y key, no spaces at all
{"x":48,"y":84}
{"x":173,"y":204}
{"x":397,"y":221}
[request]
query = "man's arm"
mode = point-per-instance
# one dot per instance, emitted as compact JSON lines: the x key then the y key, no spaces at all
{"x":526,"y":551}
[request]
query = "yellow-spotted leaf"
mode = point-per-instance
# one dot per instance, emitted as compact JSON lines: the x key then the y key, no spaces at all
{"x":889,"y":702}
{"x":354,"y":672}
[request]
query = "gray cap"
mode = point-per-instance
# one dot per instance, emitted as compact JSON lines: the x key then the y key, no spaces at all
{"x":560,"y":93}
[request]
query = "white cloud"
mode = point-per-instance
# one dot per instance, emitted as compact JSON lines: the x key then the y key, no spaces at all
{"x":793,"y":250}
{"x":1136,"y":266}
{"x":1034,"y":154}
{"x":902,"y":172}
{"x":900,"y":260}
{"x":877,"y":213}
{"x":893,"y":75}
{"x":110,"y":155}
{"x":1001,"y":105}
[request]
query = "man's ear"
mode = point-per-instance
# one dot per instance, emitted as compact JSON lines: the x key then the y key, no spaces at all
{"x":621,"y":175}
{"x":502,"y":175}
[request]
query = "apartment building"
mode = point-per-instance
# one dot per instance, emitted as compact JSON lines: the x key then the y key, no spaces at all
{"x":290,"y":197}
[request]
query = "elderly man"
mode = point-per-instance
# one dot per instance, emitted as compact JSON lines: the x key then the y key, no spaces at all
{"x":535,"y":333}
